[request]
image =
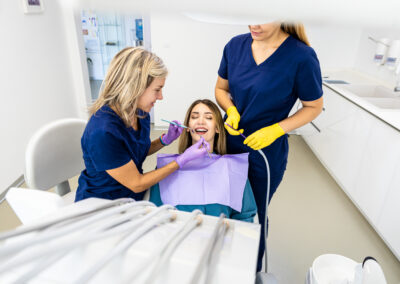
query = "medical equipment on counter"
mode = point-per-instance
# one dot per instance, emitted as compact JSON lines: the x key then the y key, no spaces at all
{"x":333,"y":268}
{"x":124,"y":241}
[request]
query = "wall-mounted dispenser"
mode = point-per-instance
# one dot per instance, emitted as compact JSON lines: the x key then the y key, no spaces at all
{"x":381,"y":48}
{"x":393,"y":55}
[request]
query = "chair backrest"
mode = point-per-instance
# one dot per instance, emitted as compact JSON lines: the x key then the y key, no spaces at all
{"x":54,"y":154}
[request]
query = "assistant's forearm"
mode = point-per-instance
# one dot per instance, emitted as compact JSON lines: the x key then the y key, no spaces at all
{"x":223,"y":98}
{"x":300,"y":118}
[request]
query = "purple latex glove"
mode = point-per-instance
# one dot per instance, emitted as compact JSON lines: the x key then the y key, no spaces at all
{"x":173,"y":133}
{"x":193,"y":152}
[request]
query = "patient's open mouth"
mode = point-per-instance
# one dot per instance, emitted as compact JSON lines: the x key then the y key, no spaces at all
{"x":201,"y":130}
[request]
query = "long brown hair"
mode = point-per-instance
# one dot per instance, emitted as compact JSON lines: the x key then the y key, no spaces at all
{"x":185,"y":141}
{"x":296,"y":30}
{"x":131,"y":71}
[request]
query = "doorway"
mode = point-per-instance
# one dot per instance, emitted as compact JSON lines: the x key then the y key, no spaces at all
{"x":104,"y":35}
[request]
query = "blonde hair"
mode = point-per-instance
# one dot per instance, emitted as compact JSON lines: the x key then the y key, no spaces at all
{"x":131,"y":71}
{"x":296,"y":30}
{"x":185,"y":140}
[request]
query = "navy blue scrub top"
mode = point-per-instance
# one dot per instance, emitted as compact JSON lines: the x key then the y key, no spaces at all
{"x":108,"y":144}
{"x":264,"y":94}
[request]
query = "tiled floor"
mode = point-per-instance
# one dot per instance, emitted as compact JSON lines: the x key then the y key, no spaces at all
{"x":309,"y":216}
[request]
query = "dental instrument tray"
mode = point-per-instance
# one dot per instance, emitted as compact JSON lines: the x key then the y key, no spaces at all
{"x":124,"y":241}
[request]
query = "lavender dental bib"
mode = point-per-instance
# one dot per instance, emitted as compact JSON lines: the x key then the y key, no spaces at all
{"x":219,"y":179}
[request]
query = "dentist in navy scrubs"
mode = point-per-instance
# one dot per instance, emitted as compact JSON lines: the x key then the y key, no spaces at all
{"x":116,"y":140}
{"x":261,"y":75}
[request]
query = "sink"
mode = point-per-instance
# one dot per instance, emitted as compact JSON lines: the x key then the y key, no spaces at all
{"x":376,"y":95}
{"x":386,"y":103}
{"x":370,"y":91}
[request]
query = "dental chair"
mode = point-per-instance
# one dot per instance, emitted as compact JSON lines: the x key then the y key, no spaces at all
{"x":53,"y":156}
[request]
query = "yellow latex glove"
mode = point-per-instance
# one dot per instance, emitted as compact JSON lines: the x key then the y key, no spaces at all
{"x":264,"y":137}
{"x":233,"y":120}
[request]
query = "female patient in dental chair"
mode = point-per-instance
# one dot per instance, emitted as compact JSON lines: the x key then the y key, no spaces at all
{"x":214,"y":184}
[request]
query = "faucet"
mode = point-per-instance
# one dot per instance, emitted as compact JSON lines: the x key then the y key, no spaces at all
{"x":378,"y":41}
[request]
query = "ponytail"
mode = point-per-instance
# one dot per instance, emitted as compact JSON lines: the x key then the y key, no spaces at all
{"x":296,"y":30}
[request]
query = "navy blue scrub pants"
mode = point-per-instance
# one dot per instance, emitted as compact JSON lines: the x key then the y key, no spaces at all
{"x":259,"y":186}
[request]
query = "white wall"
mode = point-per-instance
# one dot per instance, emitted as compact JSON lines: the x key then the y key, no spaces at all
{"x":366,"y":50}
{"x":336,"y":46}
{"x":36,"y":82}
{"x":192,"y":51}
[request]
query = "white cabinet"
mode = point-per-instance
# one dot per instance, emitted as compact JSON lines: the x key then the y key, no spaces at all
{"x":340,"y":144}
{"x":388,"y":221}
{"x":360,"y":151}
{"x":381,"y":154}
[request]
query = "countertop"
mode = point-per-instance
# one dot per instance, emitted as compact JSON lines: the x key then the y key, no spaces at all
{"x":390,"y":116}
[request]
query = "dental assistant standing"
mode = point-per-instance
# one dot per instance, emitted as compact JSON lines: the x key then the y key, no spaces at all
{"x":116,"y":140}
{"x":261,"y":75}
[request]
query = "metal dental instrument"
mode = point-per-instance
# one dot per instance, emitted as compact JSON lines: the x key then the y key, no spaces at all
{"x":158,"y":255}
{"x":183,"y":126}
{"x":122,"y":247}
{"x":241,"y":134}
{"x":209,"y":155}
{"x":69,"y":244}
{"x":18,"y":245}
{"x":169,"y":248}
{"x":208,"y":253}
{"x":174,"y":123}
{"x":52,"y":222}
